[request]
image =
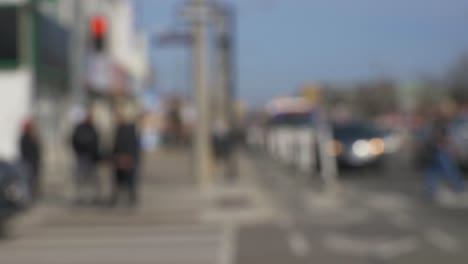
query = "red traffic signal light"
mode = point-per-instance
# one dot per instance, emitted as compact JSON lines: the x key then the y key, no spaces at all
{"x":98,"y":26}
{"x":98,"y":30}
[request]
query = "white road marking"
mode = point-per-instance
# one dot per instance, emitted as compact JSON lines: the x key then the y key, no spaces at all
{"x":391,"y":202}
{"x":402,"y":220}
{"x":400,"y":247}
{"x":345,"y":245}
{"x":364,"y":247}
{"x":344,"y":217}
{"x":298,"y":244}
{"x":449,"y":199}
{"x":93,"y":241}
{"x":442,"y":240}
{"x":120,"y":245}
{"x":228,"y":249}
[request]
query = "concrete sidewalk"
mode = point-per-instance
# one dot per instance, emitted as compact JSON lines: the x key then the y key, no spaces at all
{"x":168,"y":194}
{"x":176,"y":222}
{"x":240,"y":202}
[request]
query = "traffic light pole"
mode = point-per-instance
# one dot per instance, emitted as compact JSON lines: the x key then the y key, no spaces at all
{"x":77,"y":52}
{"x":224,"y":92}
{"x":202,"y":150}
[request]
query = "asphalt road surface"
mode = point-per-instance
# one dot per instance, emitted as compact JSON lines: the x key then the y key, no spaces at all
{"x":381,"y":216}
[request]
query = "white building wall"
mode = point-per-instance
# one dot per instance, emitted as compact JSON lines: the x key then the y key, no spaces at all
{"x":128,"y":47}
{"x":14,"y":109}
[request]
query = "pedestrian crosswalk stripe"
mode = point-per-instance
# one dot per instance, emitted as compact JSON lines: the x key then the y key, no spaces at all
{"x":118,"y":245}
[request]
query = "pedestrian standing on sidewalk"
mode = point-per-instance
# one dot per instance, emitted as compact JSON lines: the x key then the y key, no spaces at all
{"x":440,"y":159}
{"x":221,"y":140}
{"x":30,"y":148}
{"x":175,"y":123}
{"x":126,"y":154}
{"x":85,"y":143}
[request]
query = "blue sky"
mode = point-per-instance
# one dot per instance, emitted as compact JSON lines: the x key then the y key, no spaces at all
{"x":284,"y":43}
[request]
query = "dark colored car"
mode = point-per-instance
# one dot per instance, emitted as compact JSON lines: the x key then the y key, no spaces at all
{"x":14,"y":190}
{"x":357,"y":144}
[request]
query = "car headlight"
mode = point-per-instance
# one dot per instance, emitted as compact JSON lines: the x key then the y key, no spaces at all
{"x":361,"y":148}
{"x":364,"y":148}
{"x":376,"y":146}
{"x":14,"y":192}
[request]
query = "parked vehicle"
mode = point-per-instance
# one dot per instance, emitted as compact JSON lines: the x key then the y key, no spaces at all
{"x":14,"y":190}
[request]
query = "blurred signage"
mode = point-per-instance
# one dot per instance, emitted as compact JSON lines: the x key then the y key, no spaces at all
{"x":52,"y":55}
{"x":311,"y":92}
{"x":173,"y":38}
{"x":9,"y":34}
{"x":284,"y":105}
{"x":195,"y":12}
{"x":100,"y":73}
{"x":53,"y":42}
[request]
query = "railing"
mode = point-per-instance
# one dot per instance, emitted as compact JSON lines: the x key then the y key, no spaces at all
{"x":303,"y":148}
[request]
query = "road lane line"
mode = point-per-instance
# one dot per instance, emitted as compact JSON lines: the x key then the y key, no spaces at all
{"x":402,"y":220}
{"x":371,"y":246}
{"x":228,"y":247}
{"x":298,"y":244}
{"x":396,"y":248}
{"x":442,"y":240}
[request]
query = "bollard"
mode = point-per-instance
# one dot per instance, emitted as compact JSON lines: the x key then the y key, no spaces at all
{"x":329,"y":170}
{"x":296,"y":152}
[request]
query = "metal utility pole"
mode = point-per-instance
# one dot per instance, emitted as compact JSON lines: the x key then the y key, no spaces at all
{"x":224,"y":92}
{"x":202,"y":148}
{"x":77,"y":53}
{"x":220,"y":91}
{"x":329,"y":169}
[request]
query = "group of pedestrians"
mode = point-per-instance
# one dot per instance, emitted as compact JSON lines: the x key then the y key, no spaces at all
{"x":123,"y":157}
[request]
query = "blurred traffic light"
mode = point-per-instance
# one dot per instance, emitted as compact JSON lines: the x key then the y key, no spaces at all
{"x":98,"y":30}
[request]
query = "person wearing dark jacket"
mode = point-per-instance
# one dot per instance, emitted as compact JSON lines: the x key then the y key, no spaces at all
{"x":30,"y":149}
{"x":85,"y":142}
{"x":126,"y":153}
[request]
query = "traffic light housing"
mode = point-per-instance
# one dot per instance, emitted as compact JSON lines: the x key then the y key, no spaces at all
{"x":98,"y":31}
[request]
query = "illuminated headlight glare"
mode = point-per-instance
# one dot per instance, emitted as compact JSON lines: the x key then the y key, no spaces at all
{"x":14,"y":192}
{"x":361,"y":148}
{"x":376,"y":146}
